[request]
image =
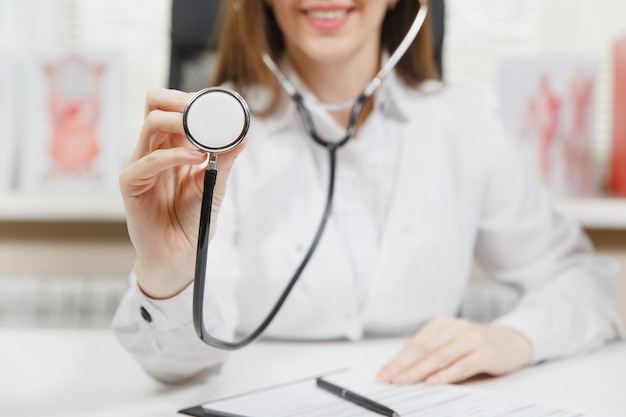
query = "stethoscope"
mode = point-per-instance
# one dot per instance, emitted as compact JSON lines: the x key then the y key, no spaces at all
{"x":216,"y":120}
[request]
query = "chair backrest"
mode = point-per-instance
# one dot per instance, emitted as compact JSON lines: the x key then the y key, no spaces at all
{"x":193,"y":35}
{"x":194,"y":39}
{"x":437,"y":16}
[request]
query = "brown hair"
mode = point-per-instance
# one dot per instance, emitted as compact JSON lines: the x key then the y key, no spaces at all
{"x":250,"y":27}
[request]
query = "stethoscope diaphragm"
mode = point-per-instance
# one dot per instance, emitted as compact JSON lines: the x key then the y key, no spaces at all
{"x":216,"y":119}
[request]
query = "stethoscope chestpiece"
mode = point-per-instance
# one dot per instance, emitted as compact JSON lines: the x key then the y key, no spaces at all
{"x":216,"y":119}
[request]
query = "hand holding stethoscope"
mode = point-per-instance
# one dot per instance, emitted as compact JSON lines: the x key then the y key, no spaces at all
{"x":162,"y":191}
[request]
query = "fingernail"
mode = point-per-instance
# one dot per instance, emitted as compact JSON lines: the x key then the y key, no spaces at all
{"x":196,"y":153}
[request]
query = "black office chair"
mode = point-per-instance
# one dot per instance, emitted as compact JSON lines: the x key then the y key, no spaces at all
{"x":194,"y":40}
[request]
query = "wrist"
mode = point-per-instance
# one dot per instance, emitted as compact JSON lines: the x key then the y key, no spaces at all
{"x":523,"y":345}
{"x":159,"y":283}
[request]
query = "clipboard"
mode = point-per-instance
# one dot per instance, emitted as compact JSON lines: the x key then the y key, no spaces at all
{"x":303,"y":395}
{"x":201,"y":410}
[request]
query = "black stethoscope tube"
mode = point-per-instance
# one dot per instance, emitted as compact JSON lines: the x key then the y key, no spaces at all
{"x":310,"y":128}
{"x":210,"y":178}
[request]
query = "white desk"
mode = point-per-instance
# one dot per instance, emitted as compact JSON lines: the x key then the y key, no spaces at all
{"x":54,"y":373}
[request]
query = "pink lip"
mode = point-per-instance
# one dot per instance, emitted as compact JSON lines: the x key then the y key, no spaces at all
{"x":326,"y":25}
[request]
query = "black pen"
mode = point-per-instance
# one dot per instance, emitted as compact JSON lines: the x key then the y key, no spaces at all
{"x":355,"y":398}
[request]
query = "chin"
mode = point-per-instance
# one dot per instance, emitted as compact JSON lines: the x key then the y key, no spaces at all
{"x":327,"y":51}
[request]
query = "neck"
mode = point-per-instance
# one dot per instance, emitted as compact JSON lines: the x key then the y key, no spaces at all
{"x":338,"y":81}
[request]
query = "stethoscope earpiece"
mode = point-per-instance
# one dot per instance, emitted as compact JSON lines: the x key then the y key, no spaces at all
{"x":216,"y":120}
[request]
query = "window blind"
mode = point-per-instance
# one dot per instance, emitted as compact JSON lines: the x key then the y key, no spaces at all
{"x":479,"y":33}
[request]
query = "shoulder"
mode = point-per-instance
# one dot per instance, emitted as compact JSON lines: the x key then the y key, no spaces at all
{"x":463,"y":109}
{"x":450,"y":98}
{"x":462,"y":119}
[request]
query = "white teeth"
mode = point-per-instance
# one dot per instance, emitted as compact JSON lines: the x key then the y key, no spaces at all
{"x":327,"y":14}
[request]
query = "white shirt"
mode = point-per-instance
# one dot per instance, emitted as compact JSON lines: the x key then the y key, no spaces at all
{"x":431,"y":183}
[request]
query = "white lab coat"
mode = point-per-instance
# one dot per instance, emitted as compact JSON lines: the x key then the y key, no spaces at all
{"x":458,"y":190}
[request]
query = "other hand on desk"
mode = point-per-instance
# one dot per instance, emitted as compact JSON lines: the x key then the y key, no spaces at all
{"x":448,"y":350}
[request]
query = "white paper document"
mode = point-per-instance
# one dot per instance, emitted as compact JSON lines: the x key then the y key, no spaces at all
{"x":305,"y":399}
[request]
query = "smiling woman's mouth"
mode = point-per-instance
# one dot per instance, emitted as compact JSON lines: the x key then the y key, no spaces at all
{"x":327,"y":14}
{"x":327,"y":19}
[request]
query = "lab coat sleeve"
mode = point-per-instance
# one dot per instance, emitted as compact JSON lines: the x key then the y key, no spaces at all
{"x":568,"y":304}
{"x":166,"y":344}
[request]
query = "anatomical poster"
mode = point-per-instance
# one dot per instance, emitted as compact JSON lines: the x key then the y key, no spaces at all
{"x":547,"y":104}
{"x":72,"y":123}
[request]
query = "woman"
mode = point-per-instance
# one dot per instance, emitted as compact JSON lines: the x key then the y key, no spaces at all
{"x":429,"y":182}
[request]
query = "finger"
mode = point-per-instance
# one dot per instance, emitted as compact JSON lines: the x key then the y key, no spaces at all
{"x":431,"y":337}
{"x":227,"y":159}
{"x":224,"y":165}
{"x":437,"y":360}
{"x":167,"y":100}
{"x":139,"y":176}
{"x":158,"y":126}
{"x":460,"y":370}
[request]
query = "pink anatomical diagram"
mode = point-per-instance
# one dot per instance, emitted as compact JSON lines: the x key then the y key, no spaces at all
{"x":557,"y":114}
{"x":542,"y":120}
{"x":617,"y":179}
{"x":577,"y":150}
{"x":74,"y":110}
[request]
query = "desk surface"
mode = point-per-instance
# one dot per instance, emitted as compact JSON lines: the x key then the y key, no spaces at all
{"x":56,"y":373}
